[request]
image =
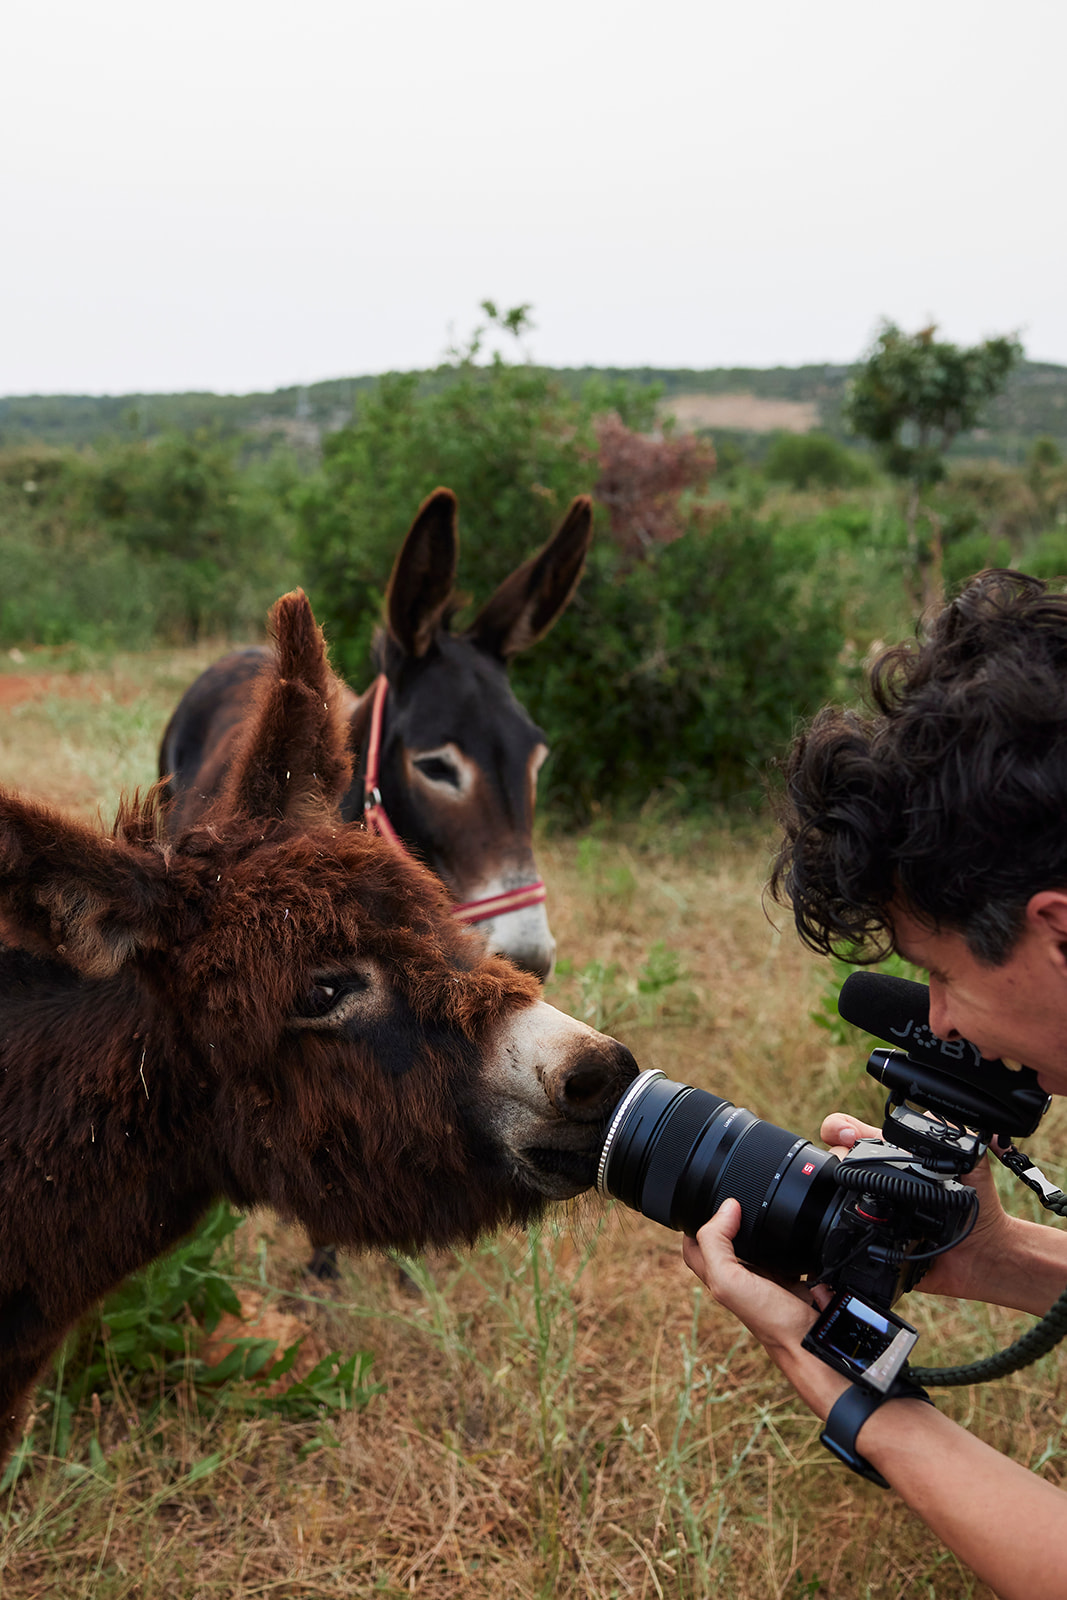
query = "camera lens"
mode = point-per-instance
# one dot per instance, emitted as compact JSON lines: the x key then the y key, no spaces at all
{"x":675,"y":1153}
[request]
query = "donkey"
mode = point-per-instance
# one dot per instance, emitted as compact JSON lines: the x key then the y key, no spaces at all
{"x":269,"y":1006}
{"x":447,"y":758}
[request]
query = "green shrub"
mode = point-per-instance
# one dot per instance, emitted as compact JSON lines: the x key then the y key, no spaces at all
{"x":971,"y":552}
{"x":513,"y":444}
{"x":814,"y":460}
{"x":214,"y":537}
{"x":684,"y":670}
{"x":1046,"y":556}
{"x":79,"y":590}
{"x":170,"y":539}
{"x":684,"y":674}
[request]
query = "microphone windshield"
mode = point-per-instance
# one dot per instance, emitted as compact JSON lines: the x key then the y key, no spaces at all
{"x":898,"y":1011}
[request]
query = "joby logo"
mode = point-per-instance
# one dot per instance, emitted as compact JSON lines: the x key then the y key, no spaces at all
{"x":923,"y":1038}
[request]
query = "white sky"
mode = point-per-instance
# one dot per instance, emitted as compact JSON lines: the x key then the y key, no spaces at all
{"x":241,"y":194}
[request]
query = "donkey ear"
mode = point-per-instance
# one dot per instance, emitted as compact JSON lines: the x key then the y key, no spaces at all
{"x":294,"y":761}
{"x":70,"y":892}
{"x":423,"y":574}
{"x":527,"y":604}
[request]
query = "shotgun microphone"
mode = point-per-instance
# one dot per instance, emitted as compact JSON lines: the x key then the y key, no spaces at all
{"x":898,"y":1011}
{"x":938,"y":1072}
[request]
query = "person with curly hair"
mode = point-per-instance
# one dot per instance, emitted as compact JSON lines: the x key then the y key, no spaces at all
{"x":935,"y":826}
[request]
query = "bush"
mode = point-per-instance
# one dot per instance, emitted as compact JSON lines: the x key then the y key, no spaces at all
{"x":512,"y":443}
{"x":62,"y":579}
{"x":80,"y":590}
{"x":1046,"y":557}
{"x":684,"y":674}
{"x":171,"y":539}
{"x":814,"y":460}
{"x":215,"y":539}
{"x":684,"y":669}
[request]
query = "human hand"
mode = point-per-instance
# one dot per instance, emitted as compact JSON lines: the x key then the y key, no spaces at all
{"x":775,"y":1312}
{"x":970,"y":1269}
{"x":778,"y":1314}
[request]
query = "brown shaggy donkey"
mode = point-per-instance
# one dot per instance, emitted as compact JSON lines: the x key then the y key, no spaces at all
{"x":273,"y":1007}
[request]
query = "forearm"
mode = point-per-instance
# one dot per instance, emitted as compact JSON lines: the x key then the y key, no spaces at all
{"x":1009,"y":1526}
{"x":1029,"y":1273}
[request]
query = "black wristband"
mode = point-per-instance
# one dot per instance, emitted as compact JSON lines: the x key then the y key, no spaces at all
{"x":847,"y":1416}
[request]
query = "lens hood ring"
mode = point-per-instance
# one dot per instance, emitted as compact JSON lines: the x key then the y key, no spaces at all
{"x":641,"y":1084}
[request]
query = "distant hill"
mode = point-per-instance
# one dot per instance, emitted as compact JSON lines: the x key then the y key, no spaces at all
{"x":741,"y":401}
{"x":298,"y":414}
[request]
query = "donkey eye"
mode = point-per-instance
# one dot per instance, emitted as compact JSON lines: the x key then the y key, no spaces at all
{"x":329,"y":996}
{"x":318,"y":1001}
{"x":437,"y":770}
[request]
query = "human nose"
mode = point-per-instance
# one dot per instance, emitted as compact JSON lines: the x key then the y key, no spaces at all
{"x":940,"y":1018}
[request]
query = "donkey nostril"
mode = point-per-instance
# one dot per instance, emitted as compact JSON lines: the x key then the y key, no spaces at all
{"x":593,"y":1084}
{"x":585,"y":1088}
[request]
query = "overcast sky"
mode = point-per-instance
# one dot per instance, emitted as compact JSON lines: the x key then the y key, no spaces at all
{"x":241,"y":194}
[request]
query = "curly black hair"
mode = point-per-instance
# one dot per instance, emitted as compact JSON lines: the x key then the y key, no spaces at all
{"x":951,"y":797}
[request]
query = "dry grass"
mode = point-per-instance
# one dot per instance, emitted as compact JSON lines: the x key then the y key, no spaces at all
{"x":565,"y":1414}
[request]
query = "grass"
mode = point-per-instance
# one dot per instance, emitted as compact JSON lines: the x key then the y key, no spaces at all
{"x":564,"y":1413}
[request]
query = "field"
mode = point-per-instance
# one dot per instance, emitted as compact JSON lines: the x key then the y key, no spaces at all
{"x":563,"y":1413}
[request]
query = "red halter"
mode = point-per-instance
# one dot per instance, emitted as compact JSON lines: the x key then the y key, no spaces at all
{"x":494,"y":905}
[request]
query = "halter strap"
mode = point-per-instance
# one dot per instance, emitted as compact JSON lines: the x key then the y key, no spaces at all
{"x":374,"y":814}
{"x":377,"y":821}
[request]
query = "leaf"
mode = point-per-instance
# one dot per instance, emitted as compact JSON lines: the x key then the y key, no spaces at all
{"x":204,"y":1468}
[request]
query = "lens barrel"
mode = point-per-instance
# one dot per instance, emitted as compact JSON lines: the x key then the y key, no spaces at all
{"x":675,"y":1153}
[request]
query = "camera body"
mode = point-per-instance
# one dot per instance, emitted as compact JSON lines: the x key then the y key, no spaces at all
{"x":866,"y":1225}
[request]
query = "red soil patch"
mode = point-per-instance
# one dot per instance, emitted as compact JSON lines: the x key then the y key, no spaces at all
{"x":15,"y":688}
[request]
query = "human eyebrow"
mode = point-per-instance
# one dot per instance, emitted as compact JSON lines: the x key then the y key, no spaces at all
{"x":920,"y":966}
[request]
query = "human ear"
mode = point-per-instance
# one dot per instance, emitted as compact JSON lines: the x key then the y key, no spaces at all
{"x":1046,"y":914}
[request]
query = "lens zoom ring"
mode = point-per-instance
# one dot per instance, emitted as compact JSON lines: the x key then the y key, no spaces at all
{"x":747,"y":1177}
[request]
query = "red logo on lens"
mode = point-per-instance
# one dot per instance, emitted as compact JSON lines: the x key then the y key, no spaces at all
{"x":808,"y":1168}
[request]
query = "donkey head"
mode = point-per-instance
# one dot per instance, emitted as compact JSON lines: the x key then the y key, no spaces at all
{"x":311,"y":1027}
{"x":459,"y":755}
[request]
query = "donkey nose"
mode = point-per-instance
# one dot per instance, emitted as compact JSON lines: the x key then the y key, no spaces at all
{"x":587,"y":1088}
{"x":533,"y":952}
{"x":539,"y":960}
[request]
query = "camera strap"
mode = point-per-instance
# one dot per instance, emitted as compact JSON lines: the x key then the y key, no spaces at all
{"x":1019,"y":1163}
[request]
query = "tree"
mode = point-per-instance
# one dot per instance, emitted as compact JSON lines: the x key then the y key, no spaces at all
{"x":694,"y":639}
{"x":912,"y":397}
{"x":643,"y":479}
{"x":815,"y":460}
{"x":512,"y":441}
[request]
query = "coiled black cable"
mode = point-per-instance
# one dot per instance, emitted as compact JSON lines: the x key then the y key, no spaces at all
{"x":891,"y":1183}
{"x":1032,"y":1345}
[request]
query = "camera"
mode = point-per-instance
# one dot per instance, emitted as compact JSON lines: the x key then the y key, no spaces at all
{"x":866,"y":1225}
